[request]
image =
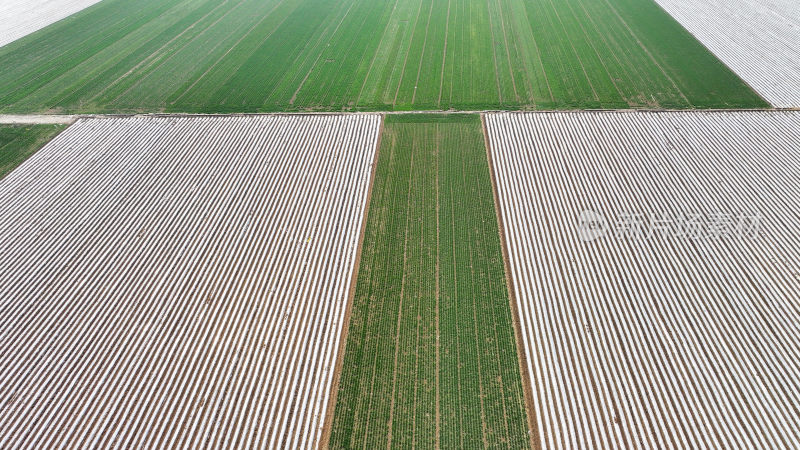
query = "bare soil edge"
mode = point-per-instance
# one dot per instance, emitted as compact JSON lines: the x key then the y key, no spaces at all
{"x":67,"y":119}
{"x":523,"y":366}
{"x":327,"y":427}
{"x":37,"y":119}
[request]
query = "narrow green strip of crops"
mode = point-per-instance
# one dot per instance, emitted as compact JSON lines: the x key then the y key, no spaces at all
{"x":18,"y":142}
{"x":430,"y":357}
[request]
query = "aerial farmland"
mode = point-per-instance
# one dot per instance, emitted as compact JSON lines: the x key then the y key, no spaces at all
{"x":299,"y":55}
{"x":431,"y":328}
{"x":400,"y":224}
{"x":18,"y":142}
{"x":758,"y":40}
{"x":664,"y":341}
{"x":191,"y":285}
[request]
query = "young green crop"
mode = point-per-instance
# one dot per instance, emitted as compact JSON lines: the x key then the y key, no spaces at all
{"x":431,"y":358}
{"x":297,"y":55}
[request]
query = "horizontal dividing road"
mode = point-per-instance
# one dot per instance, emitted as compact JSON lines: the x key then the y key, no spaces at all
{"x":37,"y":119}
{"x":68,"y":119}
{"x":667,"y":340}
{"x":179,"y":282}
{"x":759,"y":40}
{"x":19,"y":18}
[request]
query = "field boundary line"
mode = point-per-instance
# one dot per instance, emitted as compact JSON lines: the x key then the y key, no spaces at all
{"x":68,"y":119}
{"x":527,"y":388}
{"x":327,"y":426}
{"x":715,"y":54}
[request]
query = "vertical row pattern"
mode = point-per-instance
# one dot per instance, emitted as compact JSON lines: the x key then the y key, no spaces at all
{"x":179,"y":282}
{"x":666,"y":342}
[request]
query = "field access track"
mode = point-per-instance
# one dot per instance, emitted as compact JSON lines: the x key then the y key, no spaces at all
{"x":758,"y":39}
{"x":179,"y":281}
{"x":666,"y":341}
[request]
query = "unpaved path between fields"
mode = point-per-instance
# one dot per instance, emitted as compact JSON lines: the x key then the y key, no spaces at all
{"x":68,"y":119}
{"x":37,"y":119}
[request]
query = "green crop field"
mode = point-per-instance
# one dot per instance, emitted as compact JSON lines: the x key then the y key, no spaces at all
{"x":431,"y":356}
{"x":18,"y":142}
{"x":283,"y":55}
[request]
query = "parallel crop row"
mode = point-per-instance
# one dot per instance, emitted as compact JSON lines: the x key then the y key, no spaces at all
{"x":666,"y":341}
{"x":179,"y":282}
{"x":431,"y":360}
{"x":278,"y":55}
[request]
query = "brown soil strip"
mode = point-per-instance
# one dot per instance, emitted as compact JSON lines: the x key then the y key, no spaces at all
{"x":337,"y":370}
{"x":523,"y":366}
